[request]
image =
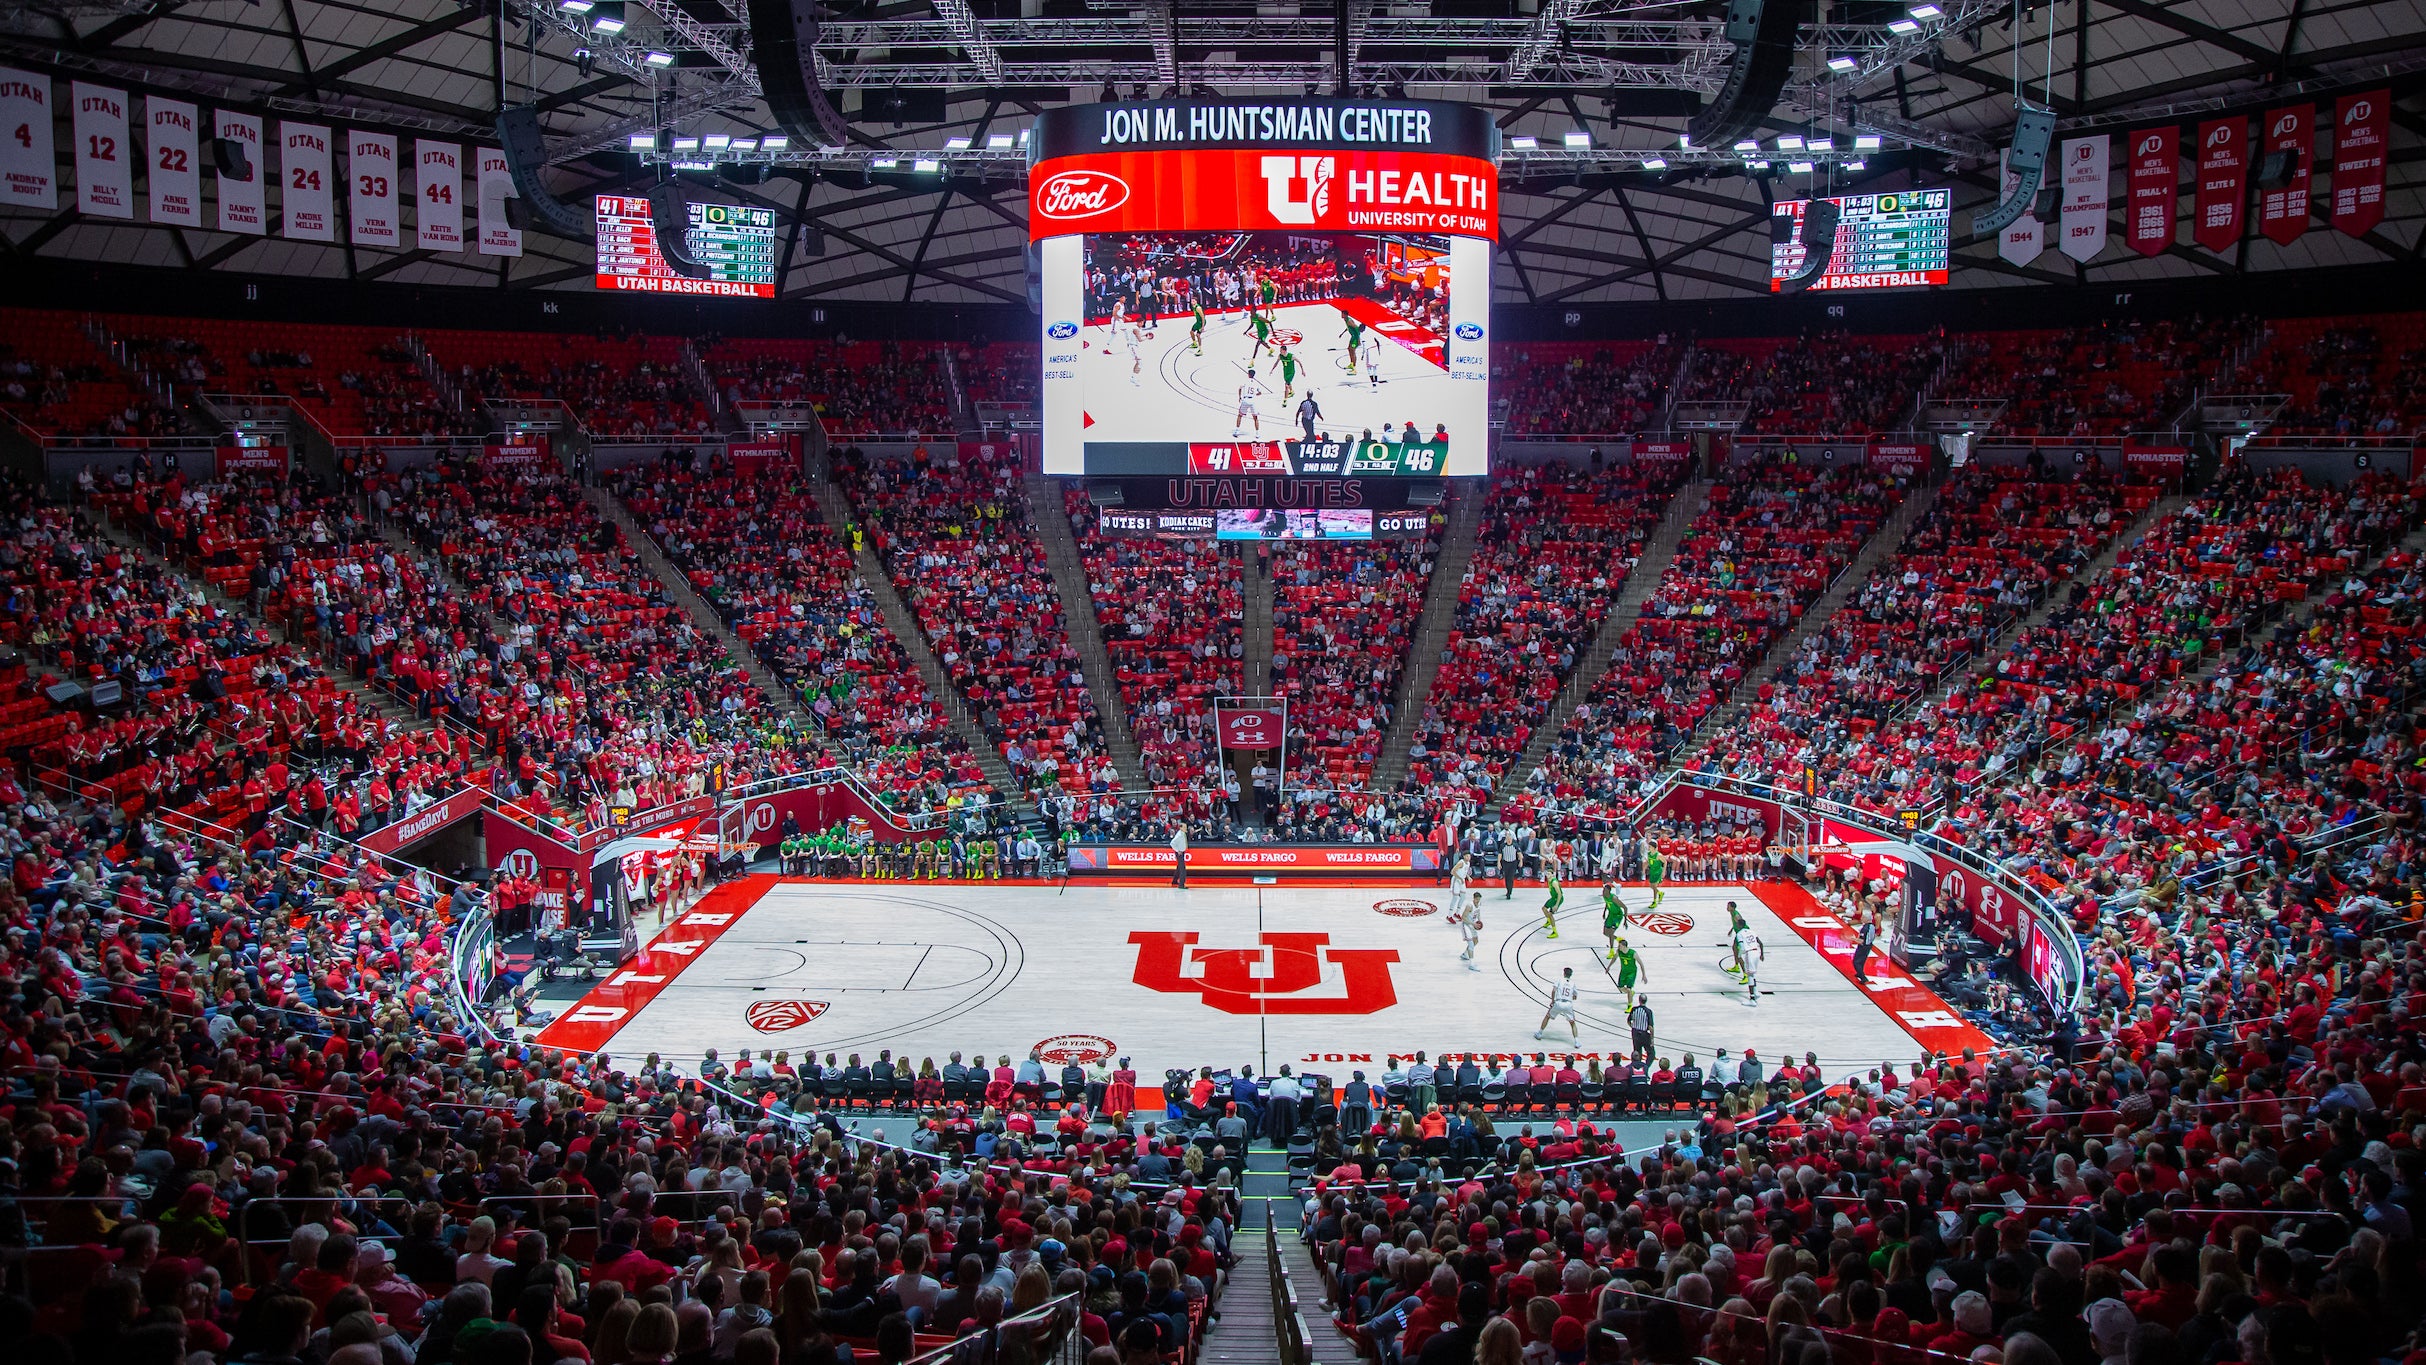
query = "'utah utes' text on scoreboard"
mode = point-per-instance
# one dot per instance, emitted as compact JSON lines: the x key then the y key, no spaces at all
{"x":1299,"y":287}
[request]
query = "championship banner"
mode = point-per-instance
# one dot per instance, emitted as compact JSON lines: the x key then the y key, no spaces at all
{"x":1663,"y":452}
{"x":29,"y":160}
{"x":173,"y":159}
{"x":2085,"y":201}
{"x":1901,"y":459}
{"x":105,"y":183}
{"x":242,"y":203}
{"x":2361,"y":129}
{"x":1264,"y":858}
{"x":2165,"y":462}
{"x":1254,"y":727}
{"x":2223,"y":165}
{"x":495,"y":182}
{"x":752,"y":459}
{"x":2283,"y":209}
{"x":2025,"y":237}
{"x":370,"y":167}
{"x":522,"y":450}
{"x":438,"y":187}
{"x":307,"y":200}
{"x":2153,"y":189}
{"x":250,"y":460}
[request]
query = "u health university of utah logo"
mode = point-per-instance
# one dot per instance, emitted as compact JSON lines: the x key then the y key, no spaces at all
{"x":1299,"y":973}
{"x":775,"y":1016}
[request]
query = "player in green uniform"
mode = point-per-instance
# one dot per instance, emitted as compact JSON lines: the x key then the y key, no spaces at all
{"x":1630,"y":973}
{"x":1288,"y":374}
{"x":1655,"y":871}
{"x":1271,"y":294}
{"x":1612,"y":915}
{"x":1262,"y":327}
{"x":1196,"y":329}
{"x":1558,"y":896}
{"x":1356,"y":340}
{"x":1736,"y":923}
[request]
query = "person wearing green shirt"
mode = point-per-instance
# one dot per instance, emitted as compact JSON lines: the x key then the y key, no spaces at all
{"x":1288,"y":374}
{"x":1558,"y":896}
{"x":1196,"y":329}
{"x":1356,"y":340}
{"x":1262,"y":327}
{"x":1271,"y":294}
{"x":1655,"y":870}
{"x":1630,"y":973}
{"x":1612,"y":915}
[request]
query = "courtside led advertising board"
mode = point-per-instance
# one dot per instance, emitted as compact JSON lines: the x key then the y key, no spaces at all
{"x":1883,"y":241}
{"x":736,"y":243}
{"x":1239,"y":287}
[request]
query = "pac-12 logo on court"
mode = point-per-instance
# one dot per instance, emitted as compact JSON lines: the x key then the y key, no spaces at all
{"x":1666,"y":923}
{"x":775,"y":1016}
{"x":1079,"y":1049}
{"x":1295,"y":973}
{"x":1405,"y":907}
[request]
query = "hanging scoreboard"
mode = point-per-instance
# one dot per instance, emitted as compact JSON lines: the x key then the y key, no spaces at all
{"x":736,"y":243}
{"x":1883,"y":241}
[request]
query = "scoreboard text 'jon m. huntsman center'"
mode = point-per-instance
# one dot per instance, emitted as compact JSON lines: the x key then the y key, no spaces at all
{"x":1235,"y":287}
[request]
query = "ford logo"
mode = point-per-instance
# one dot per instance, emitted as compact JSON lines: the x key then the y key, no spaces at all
{"x":1469,"y":331}
{"x":1062,"y":331}
{"x":1081,"y":194}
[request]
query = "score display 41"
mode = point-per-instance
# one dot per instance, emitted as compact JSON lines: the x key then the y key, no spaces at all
{"x":735,"y":241}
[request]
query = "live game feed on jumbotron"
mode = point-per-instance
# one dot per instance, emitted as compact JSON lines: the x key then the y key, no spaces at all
{"x":1237,"y":287}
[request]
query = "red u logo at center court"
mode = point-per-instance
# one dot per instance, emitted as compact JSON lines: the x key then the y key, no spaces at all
{"x":1228,"y":979}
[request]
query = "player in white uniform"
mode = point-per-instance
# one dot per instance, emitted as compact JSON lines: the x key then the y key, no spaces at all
{"x":1562,"y":1006}
{"x":1470,"y":925}
{"x":1749,"y":954}
{"x":1137,"y":364}
{"x":1248,"y":392}
{"x":1459,"y":873}
{"x":1372,"y":361}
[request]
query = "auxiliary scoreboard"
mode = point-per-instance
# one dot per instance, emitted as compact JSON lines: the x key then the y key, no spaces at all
{"x":1883,"y":241}
{"x":736,"y":243}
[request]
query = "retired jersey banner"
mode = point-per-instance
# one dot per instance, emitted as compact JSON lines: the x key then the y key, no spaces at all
{"x":174,"y":161}
{"x":2023,"y":238}
{"x":2223,"y":169}
{"x":29,"y":160}
{"x":2361,"y":128}
{"x":498,"y":237}
{"x":370,"y":168}
{"x":438,"y":195}
{"x":2085,"y":200}
{"x":306,"y":197}
{"x":2152,"y":189}
{"x":243,"y":207}
{"x":105,"y":179}
{"x":2283,"y":208}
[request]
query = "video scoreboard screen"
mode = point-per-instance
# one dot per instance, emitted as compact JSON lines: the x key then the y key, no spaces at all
{"x":1883,"y":241}
{"x":736,"y":242}
{"x":1238,"y":287}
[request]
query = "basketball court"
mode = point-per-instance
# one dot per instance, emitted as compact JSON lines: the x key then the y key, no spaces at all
{"x":1331,"y":977}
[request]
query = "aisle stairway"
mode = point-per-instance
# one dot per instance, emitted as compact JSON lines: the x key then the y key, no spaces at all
{"x":1255,"y":584}
{"x":1875,"y":551}
{"x":2148,"y":520}
{"x":1658,"y":552}
{"x":1050,"y":520}
{"x":836,"y":510}
{"x":1431,"y":633}
{"x":680,"y":592}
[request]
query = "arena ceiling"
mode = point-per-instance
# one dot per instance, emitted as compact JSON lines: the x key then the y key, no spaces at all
{"x":917,"y":76}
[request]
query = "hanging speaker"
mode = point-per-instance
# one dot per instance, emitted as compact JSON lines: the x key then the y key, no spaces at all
{"x":2049,"y":205}
{"x":1819,"y":243}
{"x":525,"y":153}
{"x":2033,"y":130}
{"x":670,"y":217}
{"x":1762,"y":32}
{"x":783,"y":41}
{"x":231,"y":158}
{"x":2276,"y":170}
